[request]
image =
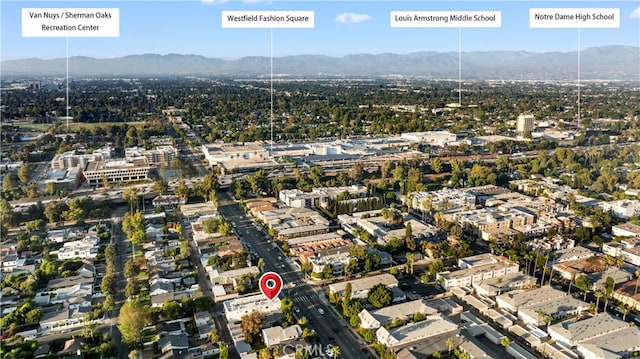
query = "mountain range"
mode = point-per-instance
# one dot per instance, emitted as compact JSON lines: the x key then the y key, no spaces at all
{"x":614,"y":62}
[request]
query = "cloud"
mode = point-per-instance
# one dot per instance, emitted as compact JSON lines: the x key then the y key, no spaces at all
{"x":351,"y":18}
{"x":635,"y":14}
{"x":213,"y":2}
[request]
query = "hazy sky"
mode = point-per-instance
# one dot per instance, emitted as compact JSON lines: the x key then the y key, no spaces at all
{"x":341,"y":28}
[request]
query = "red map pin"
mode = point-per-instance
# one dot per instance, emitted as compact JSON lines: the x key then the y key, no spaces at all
{"x":271,"y":285}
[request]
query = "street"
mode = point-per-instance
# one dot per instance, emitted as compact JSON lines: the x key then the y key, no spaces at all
{"x":330,"y":328}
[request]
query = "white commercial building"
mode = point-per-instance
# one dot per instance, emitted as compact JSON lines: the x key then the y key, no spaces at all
{"x":360,"y":287}
{"x":619,"y":344}
{"x":626,"y":230}
{"x":573,"y":333}
{"x":278,"y":335}
{"x":624,"y":209}
{"x":431,"y":138}
{"x":318,"y":196}
{"x":513,"y":301}
{"x":385,"y":316}
{"x":498,"y":285}
{"x":235,"y":309}
{"x":135,"y":169}
{"x":558,"y":308}
{"x":433,"y":325}
{"x":496,"y":267}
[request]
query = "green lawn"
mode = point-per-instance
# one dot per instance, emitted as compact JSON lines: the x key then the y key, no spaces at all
{"x":34,"y":127}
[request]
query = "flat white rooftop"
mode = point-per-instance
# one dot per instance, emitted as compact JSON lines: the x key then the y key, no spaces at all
{"x":577,"y":332}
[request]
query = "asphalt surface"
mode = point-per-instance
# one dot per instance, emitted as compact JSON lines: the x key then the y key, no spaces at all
{"x":205,"y":285}
{"x":123,"y":247}
{"x":330,"y":328}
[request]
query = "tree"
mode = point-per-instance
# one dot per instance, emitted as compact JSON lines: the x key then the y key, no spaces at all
{"x":160,"y":187}
{"x":450,"y":343}
{"x":411,"y":259}
{"x":584,"y":284}
{"x":131,"y":323}
{"x":335,"y":351}
{"x":327,"y":271}
{"x":436,"y":164}
{"x":171,"y":310}
{"x":346,"y":298}
{"x":380,"y":295}
{"x":131,"y":196}
{"x":53,"y":210}
{"x":132,"y":288}
{"x":7,"y":216}
{"x":598,"y":295}
{"x":608,"y":290}
{"x":109,"y":304}
{"x":302,"y":353}
{"x":131,"y":269}
{"x":251,"y":325}
{"x":108,"y":285}
{"x":408,"y":237}
{"x":182,"y":190}
{"x":625,"y":310}
{"x":505,"y":342}
{"x":89,"y":330}
{"x":185,"y":250}
{"x":110,"y":252}
{"x":286,"y":306}
{"x":24,"y":173}
{"x":224,"y":350}
{"x":265,"y":353}
{"x":213,"y":336}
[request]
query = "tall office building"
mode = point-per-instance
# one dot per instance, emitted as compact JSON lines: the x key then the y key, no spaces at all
{"x":524,"y":125}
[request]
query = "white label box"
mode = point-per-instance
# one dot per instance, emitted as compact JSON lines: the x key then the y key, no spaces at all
{"x":574,"y":18}
{"x":268,"y":19}
{"x":70,"y":22}
{"x":446,"y":18}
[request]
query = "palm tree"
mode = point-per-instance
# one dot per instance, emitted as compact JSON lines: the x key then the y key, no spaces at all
{"x":544,"y":269}
{"x":598,"y":295}
{"x":573,"y":277}
{"x":535,"y":264}
{"x":450,"y":343}
{"x":335,"y":351}
{"x":528,"y":257}
{"x":625,"y":310}
{"x":606,"y":300}
{"x":90,"y":330}
{"x":411,"y":258}
{"x":130,"y":195}
{"x":548,"y":319}
{"x":608,"y":261}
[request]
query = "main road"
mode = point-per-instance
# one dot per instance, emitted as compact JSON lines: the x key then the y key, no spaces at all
{"x":330,"y":329}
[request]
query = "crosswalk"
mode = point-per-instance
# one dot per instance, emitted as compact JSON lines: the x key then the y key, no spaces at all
{"x":305,"y":298}
{"x":290,"y":285}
